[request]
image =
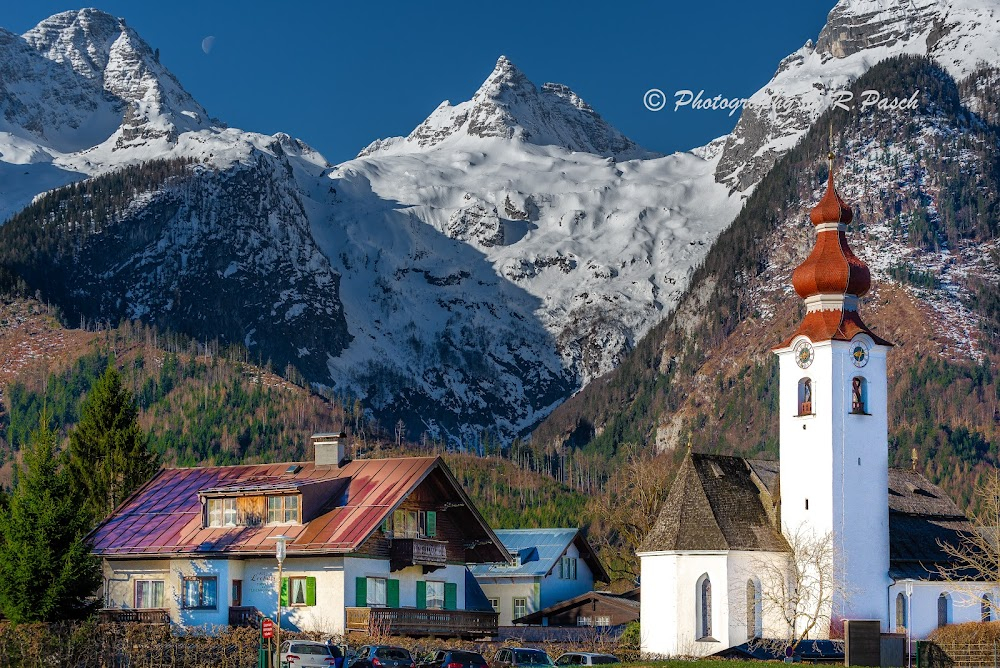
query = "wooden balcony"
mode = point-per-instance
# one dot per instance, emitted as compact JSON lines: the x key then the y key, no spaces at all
{"x":245,"y":615}
{"x":420,"y":623}
{"x":154,"y":616}
{"x":431,"y":554}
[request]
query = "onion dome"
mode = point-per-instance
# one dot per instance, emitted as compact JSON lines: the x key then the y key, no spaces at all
{"x":832,"y":268}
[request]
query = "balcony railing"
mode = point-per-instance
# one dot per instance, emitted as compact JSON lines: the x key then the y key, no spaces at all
{"x":417,"y":552}
{"x":244,"y":615}
{"x":133,"y":616}
{"x":412,"y":622}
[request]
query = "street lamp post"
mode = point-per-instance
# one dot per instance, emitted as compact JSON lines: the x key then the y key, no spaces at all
{"x":909,"y":623}
{"x":279,"y":553}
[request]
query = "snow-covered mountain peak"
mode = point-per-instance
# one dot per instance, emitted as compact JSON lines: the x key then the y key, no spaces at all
{"x":509,"y":106}
{"x":103,"y":49}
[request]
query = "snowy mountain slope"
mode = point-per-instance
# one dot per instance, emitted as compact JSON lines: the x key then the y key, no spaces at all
{"x":961,"y":35}
{"x":604,"y":246}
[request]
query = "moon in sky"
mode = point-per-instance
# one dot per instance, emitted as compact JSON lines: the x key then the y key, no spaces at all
{"x":208,"y":43}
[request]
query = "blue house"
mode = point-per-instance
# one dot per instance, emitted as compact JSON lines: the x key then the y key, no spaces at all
{"x":548,"y":566}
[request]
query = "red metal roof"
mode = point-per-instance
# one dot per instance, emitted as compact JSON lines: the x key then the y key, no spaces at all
{"x":165,"y":515}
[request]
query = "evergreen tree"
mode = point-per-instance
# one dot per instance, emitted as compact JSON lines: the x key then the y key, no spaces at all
{"x":109,"y":453}
{"x":46,"y":570}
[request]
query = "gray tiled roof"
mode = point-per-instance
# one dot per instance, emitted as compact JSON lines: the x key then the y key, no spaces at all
{"x":718,"y":503}
{"x":539,"y":551}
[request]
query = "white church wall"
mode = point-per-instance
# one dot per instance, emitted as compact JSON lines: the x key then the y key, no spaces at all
{"x":962,"y":604}
{"x":755,"y":567}
{"x":670,"y":609}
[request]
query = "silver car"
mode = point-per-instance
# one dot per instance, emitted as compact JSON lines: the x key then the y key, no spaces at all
{"x":306,"y":654}
{"x":585,"y":659}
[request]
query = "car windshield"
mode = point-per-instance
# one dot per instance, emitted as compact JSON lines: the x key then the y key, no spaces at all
{"x":531,"y":656}
{"x":467,"y":657}
{"x":316,"y":650}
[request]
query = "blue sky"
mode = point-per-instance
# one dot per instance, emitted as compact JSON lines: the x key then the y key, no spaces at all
{"x":340,"y":74}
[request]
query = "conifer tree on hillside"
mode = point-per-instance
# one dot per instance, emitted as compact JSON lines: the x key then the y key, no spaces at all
{"x":109,"y":453}
{"x":46,"y":570}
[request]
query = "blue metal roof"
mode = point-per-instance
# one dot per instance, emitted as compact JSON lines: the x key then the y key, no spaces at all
{"x":538,"y":549}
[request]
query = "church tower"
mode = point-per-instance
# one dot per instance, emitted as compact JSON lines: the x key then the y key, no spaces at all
{"x":833,"y":423}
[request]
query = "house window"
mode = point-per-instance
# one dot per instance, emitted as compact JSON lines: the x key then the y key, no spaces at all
{"x":297,"y":591}
{"x":283,"y":509}
{"x":200,"y":593}
{"x":495,"y":603}
{"x":900,"y":613}
{"x":149,"y":593}
{"x":703,"y":591}
{"x":583,"y":621}
{"x":753,"y":610}
{"x":602,"y":621}
{"x":412,"y":524}
{"x":859,"y":396}
{"x":943,"y":610}
{"x":435,"y":595}
{"x":986,"y":608}
{"x":221,"y":512}
{"x":805,"y":396}
{"x":376,"y":592}
{"x":567,"y":568}
{"x":520,"y":607}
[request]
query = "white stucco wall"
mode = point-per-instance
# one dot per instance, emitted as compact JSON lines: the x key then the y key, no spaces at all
{"x":335,"y":586}
{"x":507,"y":589}
{"x":554,"y":589}
{"x":838,"y":462}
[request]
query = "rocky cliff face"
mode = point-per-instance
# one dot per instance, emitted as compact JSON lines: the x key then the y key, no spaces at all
{"x":960,"y":36}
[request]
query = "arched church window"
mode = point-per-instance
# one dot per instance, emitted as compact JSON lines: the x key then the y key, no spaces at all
{"x":859,"y":395}
{"x":986,"y":608}
{"x":753,"y":610}
{"x":943,"y":609}
{"x":901,"y":620}
{"x":704,"y":592}
{"x":805,"y":396}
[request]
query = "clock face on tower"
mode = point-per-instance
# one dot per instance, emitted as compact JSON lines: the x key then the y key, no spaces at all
{"x":803,"y":354}
{"x":859,"y":353}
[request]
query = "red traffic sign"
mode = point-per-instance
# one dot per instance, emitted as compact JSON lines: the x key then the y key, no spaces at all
{"x":267,"y":628}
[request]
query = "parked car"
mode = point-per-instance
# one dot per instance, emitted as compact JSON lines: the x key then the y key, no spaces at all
{"x":305,"y":653}
{"x":585,"y":659}
{"x":454,"y":658}
{"x":518,"y":657}
{"x":383,"y":656}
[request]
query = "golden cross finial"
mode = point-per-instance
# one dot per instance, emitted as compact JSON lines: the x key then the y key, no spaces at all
{"x":830,"y":155}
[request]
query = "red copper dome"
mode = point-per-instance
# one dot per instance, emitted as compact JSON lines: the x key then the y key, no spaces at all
{"x":831,"y":209}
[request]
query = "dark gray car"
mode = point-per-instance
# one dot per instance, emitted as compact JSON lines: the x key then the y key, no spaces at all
{"x":383,"y":656}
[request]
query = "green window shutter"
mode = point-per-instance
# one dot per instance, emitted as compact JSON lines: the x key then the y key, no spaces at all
{"x":310,"y":591}
{"x":392,"y":593}
{"x":432,"y":523}
{"x":361,"y":592}
{"x":284,"y":591}
{"x":450,"y":596}
{"x":421,"y":595}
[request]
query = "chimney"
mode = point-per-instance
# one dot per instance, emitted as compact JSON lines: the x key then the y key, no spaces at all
{"x":328,"y":448}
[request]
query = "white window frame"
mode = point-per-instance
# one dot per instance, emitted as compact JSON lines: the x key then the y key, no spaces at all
{"x":377,"y":590}
{"x":292,"y":582}
{"x":523,"y":607}
{"x":435,"y":600}
{"x":283,"y":509}
{"x":495,"y":603}
{"x":157,"y":588}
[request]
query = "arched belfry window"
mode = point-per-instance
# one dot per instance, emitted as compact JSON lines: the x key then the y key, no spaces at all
{"x":859,"y":395}
{"x":901,"y":620}
{"x":805,"y":396}
{"x":986,"y":608}
{"x":943,"y":609}
{"x":753,"y":610}
{"x":703,"y":591}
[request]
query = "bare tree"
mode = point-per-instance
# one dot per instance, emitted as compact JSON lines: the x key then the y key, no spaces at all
{"x":798,"y":591}
{"x":973,"y":562}
{"x":633,"y":497}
